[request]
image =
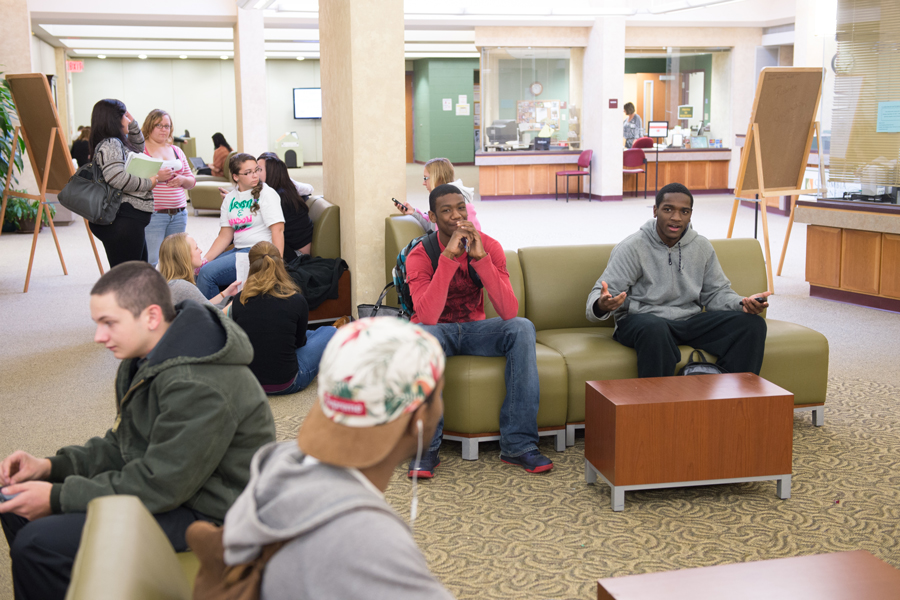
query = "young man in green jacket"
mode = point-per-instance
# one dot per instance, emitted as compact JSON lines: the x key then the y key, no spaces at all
{"x":189,"y":417}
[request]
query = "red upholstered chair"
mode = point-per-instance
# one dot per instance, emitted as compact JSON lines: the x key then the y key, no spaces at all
{"x":633,"y":161}
{"x":584,"y":160}
{"x":643,"y":142}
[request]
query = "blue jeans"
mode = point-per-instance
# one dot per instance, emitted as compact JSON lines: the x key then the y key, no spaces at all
{"x":162,"y":225}
{"x":514,"y":339}
{"x":308,"y":357}
{"x":218,"y":273}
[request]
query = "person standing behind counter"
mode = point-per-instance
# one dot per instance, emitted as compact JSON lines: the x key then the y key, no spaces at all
{"x":633,"y":127}
{"x":169,"y":197}
{"x":222,"y":149}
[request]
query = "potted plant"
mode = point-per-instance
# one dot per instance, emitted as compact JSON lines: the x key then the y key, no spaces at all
{"x":22,"y":213}
{"x":7,"y":130}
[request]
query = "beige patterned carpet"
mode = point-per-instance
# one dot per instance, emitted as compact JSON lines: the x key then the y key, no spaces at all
{"x":489,"y":530}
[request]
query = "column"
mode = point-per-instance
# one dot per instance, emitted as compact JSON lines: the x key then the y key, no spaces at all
{"x":250,"y":82}
{"x":15,"y":57}
{"x":604,"y":80}
{"x":363,"y":124}
{"x":63,"y":93}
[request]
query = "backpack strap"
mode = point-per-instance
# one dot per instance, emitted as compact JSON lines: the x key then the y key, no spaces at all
{"x":433,"y":250}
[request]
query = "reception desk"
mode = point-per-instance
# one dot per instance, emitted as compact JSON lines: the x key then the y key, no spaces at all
{"x":700,"y":169}
{"x":852,"y":251}
{"x":524,"y":173}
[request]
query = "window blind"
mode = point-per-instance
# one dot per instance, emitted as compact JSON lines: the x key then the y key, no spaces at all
{"x":867,"y":74}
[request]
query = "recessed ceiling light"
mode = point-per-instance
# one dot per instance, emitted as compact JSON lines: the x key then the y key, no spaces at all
{"x":142,"y":56}
{"x":183,"y":56}
{"x":101,"y":56}
{"x":224,"y":57}
{"x":301,"y":58}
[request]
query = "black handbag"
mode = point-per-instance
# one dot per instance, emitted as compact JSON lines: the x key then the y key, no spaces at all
{"x":89,"y":196}
{"x":377,"y":310}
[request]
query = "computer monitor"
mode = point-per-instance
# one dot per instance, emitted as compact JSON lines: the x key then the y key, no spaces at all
{"x":502,"y":131}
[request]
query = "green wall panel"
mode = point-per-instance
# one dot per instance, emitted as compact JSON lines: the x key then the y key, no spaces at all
{"x":440,"y":133}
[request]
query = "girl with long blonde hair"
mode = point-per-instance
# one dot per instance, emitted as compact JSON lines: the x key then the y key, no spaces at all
{"x":275,"y":315}
{"x":439,"y":171}
{"x":179,"y":257}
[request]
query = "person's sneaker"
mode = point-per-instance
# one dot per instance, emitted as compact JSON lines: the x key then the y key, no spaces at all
{"x":532,"y":461}
{"x":430,"y":461}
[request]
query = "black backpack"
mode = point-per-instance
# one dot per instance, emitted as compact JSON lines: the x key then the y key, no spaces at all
{"x":433,"y":250}
{"x":700,"y":367}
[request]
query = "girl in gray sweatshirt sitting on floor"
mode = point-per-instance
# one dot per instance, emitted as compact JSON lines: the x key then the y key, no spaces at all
{"x":179,"y":257}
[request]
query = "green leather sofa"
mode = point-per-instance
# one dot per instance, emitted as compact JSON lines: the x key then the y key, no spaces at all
{"x":124,"y":554}
{"x":552,"y":284}
{"x":205,"y":193}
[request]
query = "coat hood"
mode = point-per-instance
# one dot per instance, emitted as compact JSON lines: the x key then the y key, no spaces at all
{"x":288,"y":496}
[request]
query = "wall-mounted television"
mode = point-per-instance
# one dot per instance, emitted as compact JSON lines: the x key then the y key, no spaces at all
{"x":307,"y":103}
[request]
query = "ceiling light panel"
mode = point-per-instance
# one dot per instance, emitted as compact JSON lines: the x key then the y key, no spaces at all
{"x":296,"y":5}
{"x":291,"y":35}
{"x":126,"y":44}
{"x":293,"y":47}
{"x":150,"y":53}
{"x":139,"y":32}
{"x":436,"y":35}
{"x":440,"y":48}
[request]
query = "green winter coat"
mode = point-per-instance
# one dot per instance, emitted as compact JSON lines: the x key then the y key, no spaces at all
{"x":189,"y":419}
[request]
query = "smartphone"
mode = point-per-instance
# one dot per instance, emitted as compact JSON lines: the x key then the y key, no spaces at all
{"x":398,"y":203}
{"x":759,"y":300}
{"x":5,"y":497}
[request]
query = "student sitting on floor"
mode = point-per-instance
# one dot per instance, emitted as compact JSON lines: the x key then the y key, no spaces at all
{"x":190,"y":416}
{"x":179,"y":258}
{"x":379,"y":401}
{"x":274,"y":314}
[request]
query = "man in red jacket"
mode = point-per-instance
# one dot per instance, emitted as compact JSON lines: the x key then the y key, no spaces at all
{"x":449,"y":304}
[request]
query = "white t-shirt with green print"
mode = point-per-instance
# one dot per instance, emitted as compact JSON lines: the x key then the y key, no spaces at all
{"x":249,"y":227}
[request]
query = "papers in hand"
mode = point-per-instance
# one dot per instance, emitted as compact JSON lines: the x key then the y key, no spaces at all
{"x":141,"y":165}
{"x":242,"y":267}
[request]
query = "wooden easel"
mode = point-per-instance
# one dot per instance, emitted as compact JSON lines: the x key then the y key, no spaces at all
{"x":52,"y":163}
{"x":786,"y":102}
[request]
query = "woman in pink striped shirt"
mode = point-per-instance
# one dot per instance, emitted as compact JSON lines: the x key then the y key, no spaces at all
{"x":169,"y":196}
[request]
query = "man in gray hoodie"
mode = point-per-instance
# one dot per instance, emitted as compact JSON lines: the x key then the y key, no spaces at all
{"x":380,"y":383}
{"x":656,"y":285}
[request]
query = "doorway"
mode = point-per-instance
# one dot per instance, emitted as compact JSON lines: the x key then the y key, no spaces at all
{"x":409,"y":117}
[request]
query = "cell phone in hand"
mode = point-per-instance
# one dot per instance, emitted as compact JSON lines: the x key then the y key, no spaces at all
{"x":398,"y":203}
{"x":760,"y":300}
{"x":5,"y":497}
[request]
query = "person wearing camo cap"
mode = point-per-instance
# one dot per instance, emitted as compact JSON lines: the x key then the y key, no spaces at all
{"x":379,"y":397}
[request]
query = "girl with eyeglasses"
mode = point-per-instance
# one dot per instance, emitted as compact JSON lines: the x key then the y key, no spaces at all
{"x":169,"y":196}
{"x":250,"y":213}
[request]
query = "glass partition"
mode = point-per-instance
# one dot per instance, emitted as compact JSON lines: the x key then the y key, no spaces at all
{"x":690,"y":88}
{"x":531,"y":99}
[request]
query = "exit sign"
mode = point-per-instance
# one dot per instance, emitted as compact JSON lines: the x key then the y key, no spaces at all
{"x":74,"y":66}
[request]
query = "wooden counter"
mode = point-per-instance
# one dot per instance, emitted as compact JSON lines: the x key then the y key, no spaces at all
{"x":524,"y":173}
{"x":853,"y":251}
{"x":700,"y":169}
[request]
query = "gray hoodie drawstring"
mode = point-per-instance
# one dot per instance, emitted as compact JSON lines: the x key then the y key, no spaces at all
{"x":680,"y":269}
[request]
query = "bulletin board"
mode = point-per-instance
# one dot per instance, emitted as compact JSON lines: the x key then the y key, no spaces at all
{"x":784,"y":110}
{"x":537,"y":113}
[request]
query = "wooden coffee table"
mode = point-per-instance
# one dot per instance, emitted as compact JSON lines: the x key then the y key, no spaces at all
{"x":662,"y":432}
{"x":842,"y":575}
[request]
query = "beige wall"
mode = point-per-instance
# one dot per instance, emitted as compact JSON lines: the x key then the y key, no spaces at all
{"x":282,"y":76}
{"x":743,"y":42}
{"x":199,"y":94}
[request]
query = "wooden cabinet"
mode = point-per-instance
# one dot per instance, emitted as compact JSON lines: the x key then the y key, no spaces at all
{"x":861,"y":261}
{"x":696,"y":175}
{"x":890,"y":265}
{"x":526,"y":180}
{"x":823,"y":256}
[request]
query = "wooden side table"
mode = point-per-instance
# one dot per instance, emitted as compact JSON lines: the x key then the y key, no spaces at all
{"x":662,"y":432}
{"x":839,"y":576}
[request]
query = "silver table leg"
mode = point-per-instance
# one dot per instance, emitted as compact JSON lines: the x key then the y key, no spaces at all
{"x":783,"y":488}
{"x":470,"y":449}
{"x":818,"y":416}
{"x":560,"y":441}
{"x":590,"y":474}
{"x":617,"y":497}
